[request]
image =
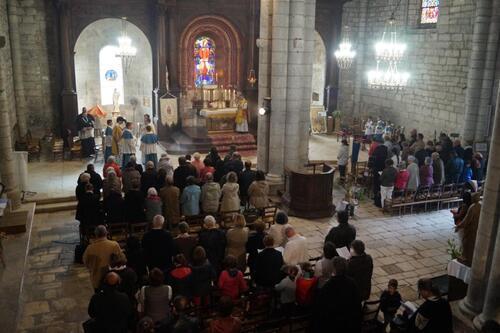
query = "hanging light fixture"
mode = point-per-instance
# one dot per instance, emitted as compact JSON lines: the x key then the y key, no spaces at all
{"x":345,"y":55}
{"x":125,"y":49}
{"x":388,"y":54}
{"x":252,"y":79}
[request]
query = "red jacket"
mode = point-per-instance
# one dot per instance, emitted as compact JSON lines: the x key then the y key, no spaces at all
{"x":305,"y":289}
{"x":231,"y":283}
{"x":402,"y":179}
{"x":114,"y":166}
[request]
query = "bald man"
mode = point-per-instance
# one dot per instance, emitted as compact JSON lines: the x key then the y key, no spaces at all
{"x":111,"y":309}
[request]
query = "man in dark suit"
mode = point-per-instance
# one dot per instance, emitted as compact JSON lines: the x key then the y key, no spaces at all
{"x":183,"y":171}
{"x":246,"y":178}
{"x":268,"y":265}
{"x":158,"y":246}
{"x":337,"y":307}
{"x":343,"y":234}
{"x":360,"y":269}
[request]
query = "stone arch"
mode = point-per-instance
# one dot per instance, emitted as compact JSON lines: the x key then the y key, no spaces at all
{"x":137,"y":83}
{"x":319,"y":70}
{"x":228,"y":43}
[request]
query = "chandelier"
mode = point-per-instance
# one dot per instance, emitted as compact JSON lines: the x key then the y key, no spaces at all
{"x":345,"y":55}
{"x":252,"y":79}
{"x":125,"y":49}
{"x":388,"y":54}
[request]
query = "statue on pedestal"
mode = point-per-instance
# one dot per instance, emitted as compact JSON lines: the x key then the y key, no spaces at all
{"x":116,"y":102}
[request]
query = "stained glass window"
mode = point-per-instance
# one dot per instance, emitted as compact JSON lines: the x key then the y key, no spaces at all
{"x":429,"y":12}
{"x":204,"y":61}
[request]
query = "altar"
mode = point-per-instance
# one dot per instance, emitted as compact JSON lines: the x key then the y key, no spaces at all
{"x":219,"y":120}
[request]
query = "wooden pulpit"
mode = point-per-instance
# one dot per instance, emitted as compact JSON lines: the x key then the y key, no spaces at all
{"x":309,"y":194}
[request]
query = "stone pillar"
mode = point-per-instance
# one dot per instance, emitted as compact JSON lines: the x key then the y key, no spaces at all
{"x":360,"y":56}
{"x":476,"y":67}
{"x":264,"y":80}
{"x":68,"y":95}
{"x":7,"y":105}
{"x":488,"y":76}
{"x":487,"y":230}
{"x":279,"y":61}
{"x":20,"y":94}
{"x":173,"y":51}
{"x":299,"y":76}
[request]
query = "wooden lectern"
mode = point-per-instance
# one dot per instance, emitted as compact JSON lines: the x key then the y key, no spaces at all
{"x":309,"y":194}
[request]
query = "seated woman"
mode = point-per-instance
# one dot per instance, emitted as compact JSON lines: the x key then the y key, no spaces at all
{"x":258,"y":191}
{"x":225,"y":322}
{"x":154,"y":300}
{"x":111,"y":184}
{"x":203,"y":277}
{"x":277,"y":230}
{"x":231,"y":282}
{"x":152,"y":204}
{"x":324,"y":267}
{"x":237,"y":238}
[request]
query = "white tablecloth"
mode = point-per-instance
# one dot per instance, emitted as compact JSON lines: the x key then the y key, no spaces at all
{"x":219,"y":113}
{"x":459,"y":270}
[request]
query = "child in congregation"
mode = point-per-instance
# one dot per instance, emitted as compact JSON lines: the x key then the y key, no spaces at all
{"x":287,"y":290}
{"x":306,"y":285}
{"x":390,"y":300}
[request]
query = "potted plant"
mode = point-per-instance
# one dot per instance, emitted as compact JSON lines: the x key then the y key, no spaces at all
{"x":453,"y":250}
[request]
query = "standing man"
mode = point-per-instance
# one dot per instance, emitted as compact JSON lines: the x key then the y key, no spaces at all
{"x":108,"y":139}
{"x":85,"y":127}
{"x":127,"y":144}
{"x":117,"y":136}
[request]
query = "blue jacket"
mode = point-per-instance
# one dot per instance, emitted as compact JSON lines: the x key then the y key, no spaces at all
{"x":190,"y":200}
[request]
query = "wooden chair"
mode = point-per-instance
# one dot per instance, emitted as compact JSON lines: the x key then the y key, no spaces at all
{"x":57,"y":149}
{"x":195,"y":223}
{"x":138,"y":229}
{"x":226,"y":218}
{"x":398,"y":197}
{"x":370,"y":322}
{"x":421,"y":196}
{"x":269,"y":215}
{"x":252,"y":216}
{"x":118,"y":232}
{"x":33,"y":146}
{"x":75,"y":148}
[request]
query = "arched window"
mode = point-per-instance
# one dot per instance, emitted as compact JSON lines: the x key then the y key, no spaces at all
{"x":429,"y":12}
{"x":111,"y":74}
{"x":204,"y":61}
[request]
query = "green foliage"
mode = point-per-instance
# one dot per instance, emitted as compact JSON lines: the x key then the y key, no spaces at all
{"x":453,"y":250}
{"x":337,"y":114}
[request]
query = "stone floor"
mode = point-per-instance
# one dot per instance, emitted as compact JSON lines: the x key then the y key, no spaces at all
{"x":56,"y":291}
{"x":60,"y":176}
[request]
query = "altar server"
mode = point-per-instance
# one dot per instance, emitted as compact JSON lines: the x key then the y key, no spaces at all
{"x":149,"y":140}
{"x":127,"y":144}
{"x":108,"y":139}
{"x":85,"y":127}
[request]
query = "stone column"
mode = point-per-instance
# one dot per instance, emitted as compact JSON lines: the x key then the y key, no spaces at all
{"x":161,"y":47}
{"x":264,"y":80}
{"x":279,"y":60}
{"x":20,"y":94}
{"x":487,"y":230}
{"x":488,"y":76}
{"x":360,"y":56}
{"x":476,"y":67}
{"x":68,"y":95}
{"x":299,"y":76}
{"x":173,"y":51}
{"x":7,"y":105}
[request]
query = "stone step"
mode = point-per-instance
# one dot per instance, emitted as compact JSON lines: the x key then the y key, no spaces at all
{"x":47,"y":201}
{"x":55,"y":207}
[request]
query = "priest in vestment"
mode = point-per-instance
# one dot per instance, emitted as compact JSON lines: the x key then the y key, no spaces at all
{"x":85,"y":127}
{"x":117,"y":136}
{"x":242,"y":115}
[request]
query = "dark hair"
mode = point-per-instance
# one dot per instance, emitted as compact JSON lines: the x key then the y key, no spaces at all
{"x":343,"y":216}
{"x":358,"y":246}
{"x":393,"y":283}
{"x":259,"y":226}
{"x":199,"y":255}
{"x":145,"y":325}
{"x":190,"y":180}
{"x":182,"y":160}
{"x":188,"y":157}
{"x":230,"y":262}
{"x":281,"y":218}
{"x":344,"y":142}
{"x":183,"y":227}
{"x":90,"y":167}
{"x":130,"y":165}
{"x":389,"y":162}
{"x":109,"y":121}
{"x":260,"y":175}
{"x":427,"y":285}
{"x":180,"y":303}
{"x":226,"y":306}
{"x":129,"y":123}
{"x":156,"y":277}
{"x":329,"y":250}
{"x":420,"y":136}
{"x":467,"y":198}
{"x":120,"y":119}
{"x":180,"y":260}
{"x":339,"y":266}
{"x":207,"y":161}
{"x":268,"y":241}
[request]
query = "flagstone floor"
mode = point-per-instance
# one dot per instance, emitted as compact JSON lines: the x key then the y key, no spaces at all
{"x":56,"y":291}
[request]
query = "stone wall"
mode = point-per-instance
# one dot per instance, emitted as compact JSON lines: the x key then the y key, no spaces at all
{"x":37,"y":24}
{"x":6,"y":76}
{"x":437,"y":59}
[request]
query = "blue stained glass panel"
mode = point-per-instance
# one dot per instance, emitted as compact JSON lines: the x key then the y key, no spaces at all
{"x":204,"y":61}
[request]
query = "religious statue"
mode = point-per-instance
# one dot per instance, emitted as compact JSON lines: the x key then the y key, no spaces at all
{"x":116,"y":101}
{"x":242,"y":115}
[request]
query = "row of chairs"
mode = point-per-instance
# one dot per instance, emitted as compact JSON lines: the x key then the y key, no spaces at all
{"x":121,"y":231}
{"x":435,"y":196}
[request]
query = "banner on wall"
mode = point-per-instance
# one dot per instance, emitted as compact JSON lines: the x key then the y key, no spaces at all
{"x":168,"y":110}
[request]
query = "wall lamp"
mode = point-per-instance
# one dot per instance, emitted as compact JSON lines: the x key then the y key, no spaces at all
{"x":265,"y":109}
